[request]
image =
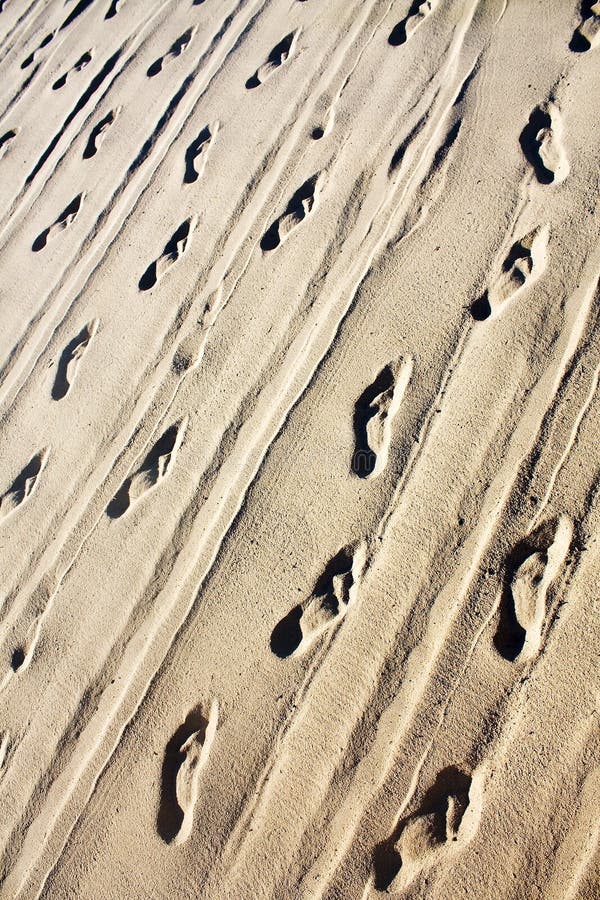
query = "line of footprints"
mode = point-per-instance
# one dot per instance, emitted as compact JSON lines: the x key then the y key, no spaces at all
{"x":448,"y":814}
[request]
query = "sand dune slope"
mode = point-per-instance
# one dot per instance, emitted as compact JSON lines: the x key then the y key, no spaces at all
{"x":299,"y":469}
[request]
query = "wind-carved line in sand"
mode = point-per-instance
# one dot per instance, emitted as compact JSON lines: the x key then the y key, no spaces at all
{"x":6,"y":140}
{"x":522,"y":267}
{"x":532,"y":569}
{"x":186,"y":755}
{"x":445,"y":822}
{"x":44,"y":43}
{"x":24,"y":484}
{"x":542,"y":144}
{"x":157,"y":465}
{"x":298,"y":209}
{"x":175,"y":248}
{"x":178,"y":47}
{"x":374,"y":414}
{"x":417,"y":14}
{"x":70,"y":360}
{"x":279,"y":55}
{"x":197,"y":153}
{"x":83,"y":61}
{"x":99,"y":131}
{"x":64,"y":221}
{"x":5,"y":748}
{"x":333,"y":594}
{"x":587,"y":35}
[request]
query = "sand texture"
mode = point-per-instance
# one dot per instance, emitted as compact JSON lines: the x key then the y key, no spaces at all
{"x":300,"y":449}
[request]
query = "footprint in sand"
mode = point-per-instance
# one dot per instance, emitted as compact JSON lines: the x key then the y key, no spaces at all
{"x":28,"y":61}
{"x":23,"y":485}
{"x":176,"y":49}
{"x":280,"y":54}
{"x":334,"y":592}
{"x":522,"y":267}
{"x":174,"y":250}
{"x":542,"y":145}
{"x":6,"y":140}
{"x":587,"y":35}
{"x":114,"y":8}
{"x":417,"y":14}
{"x":66,"y":218}
{"x":446,"y":820}
{"x":157,"y":465}
{"x":81,"y":63}
{"x":532,"y":568}
{"x":185,"y":757}
{"x":99,"y":131}
{"x":197,"y":153}
{"x":70,"y":360}
{"x":373,"y":416}
{"x":298,"y":209}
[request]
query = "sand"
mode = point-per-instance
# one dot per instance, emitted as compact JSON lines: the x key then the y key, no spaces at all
{"x":299,"y":460}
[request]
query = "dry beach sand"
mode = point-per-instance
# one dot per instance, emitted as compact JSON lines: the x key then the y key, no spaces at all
{"x":299,"y":469}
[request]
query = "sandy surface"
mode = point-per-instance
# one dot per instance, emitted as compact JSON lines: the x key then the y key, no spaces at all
{"x":299,"y":457}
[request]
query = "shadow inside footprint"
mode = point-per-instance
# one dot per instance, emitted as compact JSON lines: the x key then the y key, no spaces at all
{"x":481,"y":309}
{"x":66,"y":217}
{"x":170,"y":814}
{"x":398,"y":34}
{"x":539,"y":120}
{"x":287,"y":634}
{"x":62,"y":383}
{"x":195,"y":148}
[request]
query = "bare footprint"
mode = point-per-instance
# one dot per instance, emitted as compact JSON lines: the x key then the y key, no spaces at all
{"x":176,"y":49}
{"x":174,"y":250}
{"x":24,"y":484}
{"x":6,"y":140}
{"x":185,"y":757}
{"x":446,"y":820}
{"x":157,"y":465}
{"x":373,"y":416}
{"x":417,"y":14}
{"x":522,"y":267}
{"x":99,"y":131}
{"x":532,"y":568}
{"x":298,"y":209}
{"x":83,"y":61}
{"x":114,"y":8}
{"x":44,"y":43}
{"x":70,"y":359}
{"x":542,"y":144}
{"x":280,"y":54}
{"x":197,"y":153}
{"x":334,"y":592}
{"x":66,"y":218}
{"x":587,"y":35}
